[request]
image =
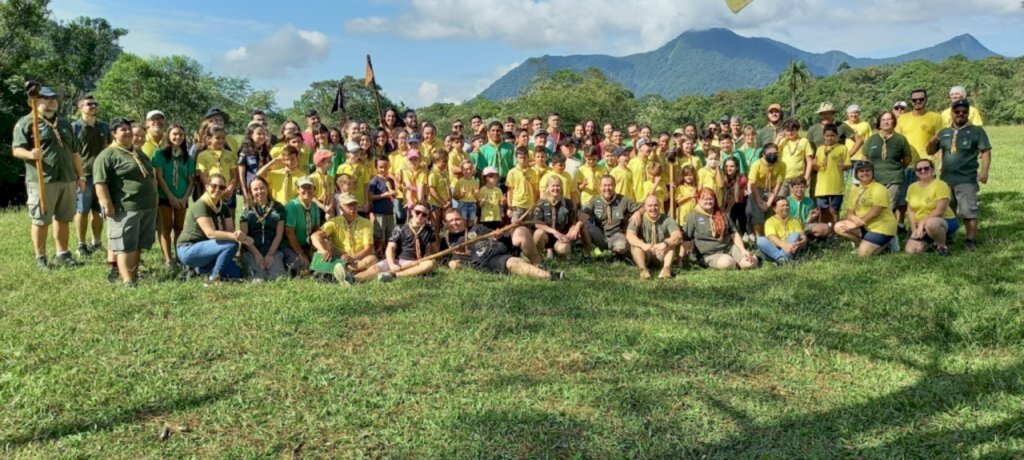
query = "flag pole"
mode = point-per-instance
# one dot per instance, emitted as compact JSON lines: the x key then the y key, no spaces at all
{"x":371,"y":80}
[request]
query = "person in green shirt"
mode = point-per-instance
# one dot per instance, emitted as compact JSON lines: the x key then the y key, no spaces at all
{"x":302,"y":218}
{"x":175,"y":175}
{"x":962,"y":145}
{"x":772,"y":132}
{"x":93,"y":136}
{"x":653,"y":237}
{"x":126,"y":187}
{"x":890,"y":153}
{"x":496,"y":153}
{"x":63,"y":175}
{"x":209,"y":241}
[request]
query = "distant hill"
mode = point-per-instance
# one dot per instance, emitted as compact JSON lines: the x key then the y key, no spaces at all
{"x":706,"y":61}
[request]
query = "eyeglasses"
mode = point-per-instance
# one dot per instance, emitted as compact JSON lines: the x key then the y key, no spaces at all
{"x":918,"y":99}
{"x":899,"y":109}
{"x":456,"y":126}
{"x":923,"y":169}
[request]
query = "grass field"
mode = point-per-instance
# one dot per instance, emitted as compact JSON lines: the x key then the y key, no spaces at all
{"x":896,"y":356}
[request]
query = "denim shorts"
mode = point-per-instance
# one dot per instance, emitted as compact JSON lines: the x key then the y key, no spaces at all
{"x":877,"y":238}
{"x":830,"y":201}
{"x":87,"y":200}
{"x":468,"y":211}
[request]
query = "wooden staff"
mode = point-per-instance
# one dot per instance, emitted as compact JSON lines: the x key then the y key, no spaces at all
{"x":371,"y":79}
{"x":670,"y":156}
{"x":32,"y":88}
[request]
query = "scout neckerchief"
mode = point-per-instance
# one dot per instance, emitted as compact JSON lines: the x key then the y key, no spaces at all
{"x":792,"y":146}
{"x":827,"y":152}
{"x":863,"y":189}
{"x":214,"y":206}
{"x":956,"y":131}
{"x":885,"y":139}
{"x":286,"y":183}
{"x":307,"y":214}
{"x":132,"y":154}
{"x":261,"y":212}
{"x":553,"y":206}
{"x":799,"y":207}
{"x":53,"y":127}
{"x":711,"y":222}
{"x":349,"y":236}
{"x":416,"y":240}
{"x":651,"y":231}
{"x":175,"y":165}
{"x":448,"y":241}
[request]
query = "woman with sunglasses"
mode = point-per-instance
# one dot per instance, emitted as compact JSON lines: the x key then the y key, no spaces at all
{"x":869,"y":222}
{"x":209,"y":241}
{"x":932,"y":222}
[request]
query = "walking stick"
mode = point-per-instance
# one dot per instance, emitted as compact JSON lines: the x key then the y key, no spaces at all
{"x":670,"y":156}
{"x":32,"y":89}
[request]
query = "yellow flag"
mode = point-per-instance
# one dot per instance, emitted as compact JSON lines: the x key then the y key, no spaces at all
{"x":737,"y":5}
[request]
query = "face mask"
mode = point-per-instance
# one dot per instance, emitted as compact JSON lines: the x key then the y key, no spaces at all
{"x":771,"y":159}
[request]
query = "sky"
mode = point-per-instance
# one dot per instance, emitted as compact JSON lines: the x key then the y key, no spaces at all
{"x":426,"y":51}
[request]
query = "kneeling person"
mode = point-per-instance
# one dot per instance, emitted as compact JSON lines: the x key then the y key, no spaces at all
{"x":490,"y":254}
{"x":653,"y":237}
{"x":345,"y":244}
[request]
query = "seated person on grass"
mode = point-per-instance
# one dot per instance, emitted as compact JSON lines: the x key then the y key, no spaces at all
{"x":409,"y":244}
{"x":783,"y":234}
{"x":556,"y":223}
{"x":490,"y":254}
{"x":715,"y":241}
{"x":653,"y":237}
{"x":345,"y":246}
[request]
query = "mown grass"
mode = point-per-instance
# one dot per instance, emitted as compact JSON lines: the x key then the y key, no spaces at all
{"x":896,"y":356}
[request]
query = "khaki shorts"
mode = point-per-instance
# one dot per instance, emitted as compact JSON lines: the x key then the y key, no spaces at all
{"x":130,"y":231}
{"x":894,"y":194}
{"x":734,"y":252}
{"x":61,"y":201}
{"x":519,"y":213}
{"x":965,"y":200}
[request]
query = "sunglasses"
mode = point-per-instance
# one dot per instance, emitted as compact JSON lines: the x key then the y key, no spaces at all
{"x":900,"y":109}
{"x":918,"y":99}
{"x":220,"y":187}
{"x":456,"y":126}
{"x":960,"y":112}
{"x":419,"y":213}
{"x":923,"y":169}
{"x":92,"y":104}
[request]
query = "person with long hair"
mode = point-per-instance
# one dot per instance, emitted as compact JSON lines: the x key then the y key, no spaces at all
{"x":869,"y":222}
{"x":932,"y":222}
{"x":735,"y":189}
{"x":263,"y":222}
{"x":175,"y":175}
{"x":713,"y":237}
{"x":253,"y":154}
{"x":216,"y":159}
{"x":209,"y":241}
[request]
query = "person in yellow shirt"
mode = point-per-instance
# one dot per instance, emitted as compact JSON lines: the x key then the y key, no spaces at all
{"x":522,"y":187}
{"x":783,"y":235}
{"x":588,"y":177}
{"x":456,"y":156}
{"x":869,"y":222}
{"x":438,"y":189}
{"x":294,"y":140}
{"x":354,"y":167}
{"x":283,"y":174}
{"x":932,"y":222}
{"x":623,"y":176}
{"x":414,"y":179}
{"x":795,"y":151}
{"x":919,"y":125}
{"x":323,"y":182}
{"x":155,"y":139}
{"x":653,"y":185}
{"x":957,"y":93}
{"x":396,"y":158}
{"x":686,"y":192}
{"x":711,"y":177}
{"x":638,"y":166}
{"x":765,"y":182}
{"x":830,"y":161}
{"x":467,"y":192}
{"x":346,"y":242}
{"x":860,"y":127}
{"x":540,"y":162}
{"x":491,"y":199}
{"x":216,"y":160}
{"x":430,"y":143}
{"x":569,"y":189}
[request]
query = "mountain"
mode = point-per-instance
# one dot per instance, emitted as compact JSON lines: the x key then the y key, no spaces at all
{"x":707,"y":61}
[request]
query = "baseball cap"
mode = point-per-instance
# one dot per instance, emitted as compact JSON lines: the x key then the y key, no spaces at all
{"x":412,"y":153}
{"x":826,"y":107}
{"x":413,"y":138}
{"x":347,"y":198}
{"x":853,"y":108}
{"x":304,"y":181}
{"x":47,"y":92}
{"x":153,"y":114}
{"x":961,"y":103}
{"x":121,"y":121}
{"x":352,"y":147}
{"x":322,"y":155}
{"x":900,"y":104}
{"x":490,"y":170}
{"x":774,"y":107}
{"x":679,"y":132}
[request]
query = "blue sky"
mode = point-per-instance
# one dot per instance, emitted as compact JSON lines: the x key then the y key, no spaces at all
{"x":426,"y":51}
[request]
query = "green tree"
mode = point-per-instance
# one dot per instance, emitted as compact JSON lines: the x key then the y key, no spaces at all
{"x":796,"y":76}
{"x":359,"y":102}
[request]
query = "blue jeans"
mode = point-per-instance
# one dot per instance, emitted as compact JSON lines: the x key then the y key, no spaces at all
{"x":775,"y":253}
{"x":213,"y":257}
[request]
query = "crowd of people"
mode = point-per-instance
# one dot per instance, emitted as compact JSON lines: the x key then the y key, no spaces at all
{"x":397,"y":198}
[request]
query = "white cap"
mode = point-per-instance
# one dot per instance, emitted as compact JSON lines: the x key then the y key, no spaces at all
{"x":154,"y":113}
{"x":853,"y":108}
{"x":352,"y":147}
{"x":958,"y":90}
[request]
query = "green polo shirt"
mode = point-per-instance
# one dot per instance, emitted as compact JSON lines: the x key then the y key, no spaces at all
{"x":93,"y":139}
{"x":175,"y":171}
{"x":767,"y":134}
{"x":697,"y":228}
{"x":490,"y":155}
{"x":297,"y":216}
{"x":612,"y":214}
{"x":897,"y":155}
{"x":191,"y":231}
{"x":961,"y":166}
{"x":132,"y":184}
{"x":559,"y":216}
{"x":654,"y":232}
{"x":261,"y":222}
{"x":59,"y":145}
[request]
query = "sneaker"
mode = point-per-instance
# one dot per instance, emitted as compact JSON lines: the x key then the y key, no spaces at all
{"x":665,"y":274}
{"x":942,"y":251}
{"x":212,"y":281}
{"x":556,"y":276}
{"x":894,"y":244}
{"x":83,"y":250}
{"x":113,"y":275}
{"x":342,"y":275}
{"x":385,"y":277}
{"x":970,"y":245}
{"x":66,"y":260}
{"x":95,"y":246}
{"x":42,"y":264}
{"x":130,"y":285}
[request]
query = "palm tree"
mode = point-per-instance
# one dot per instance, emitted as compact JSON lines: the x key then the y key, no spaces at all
{"x":795,"y":76}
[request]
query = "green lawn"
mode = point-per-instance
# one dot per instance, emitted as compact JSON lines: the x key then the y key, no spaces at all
{"x":837,"y":357}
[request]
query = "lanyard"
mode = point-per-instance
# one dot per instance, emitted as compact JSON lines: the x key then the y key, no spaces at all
{"x":130,"y":153}
{"x":56,"y":132}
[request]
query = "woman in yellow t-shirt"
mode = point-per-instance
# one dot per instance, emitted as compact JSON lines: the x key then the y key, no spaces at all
{"x":869,"y":223}
{"x":932,"y":222}
{"x":686,"y":193}
{"x":783,"y":235}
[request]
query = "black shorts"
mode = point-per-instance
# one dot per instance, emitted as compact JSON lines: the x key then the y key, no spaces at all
{"x":492,"y":225}
{"x":497,"y":264}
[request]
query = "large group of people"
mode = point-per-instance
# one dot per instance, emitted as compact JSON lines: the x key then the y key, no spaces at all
{"x":366,"y":201}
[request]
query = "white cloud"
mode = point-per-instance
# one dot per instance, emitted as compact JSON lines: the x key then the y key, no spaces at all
{"x":277,"y":54}
{"x":428,"y":93}
{"x":611,"y":27}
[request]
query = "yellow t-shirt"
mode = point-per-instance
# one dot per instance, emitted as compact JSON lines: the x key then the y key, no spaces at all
{"x":490,"y":206}
{"x":349,"y":239}
{"x":766,"y":176}
{"x":692,"y":160}
{"x":623,"y":182}
{"x":522,"y":183}
{"x":918,"y":130}
{"x":657,"y":189}
{"x":862,"y":199}
{"x":455,"y":159}
{"x":589,"y":181}
{"x":922,"y":200}
{"x":794,"y":154}
{"x":283,"y":184}
{"x":683,"y":207}
{"x":467,"y":190}
{"x":708,"y":178}
{"x":638,"y":170}
{"x":416,"y":178}
{"x":781,"y":230}
{"x":830,"y":170}
{"x":359,"y":182}
{"x":973,"y":116}
{"x":438,"y":182}
{"x":427,"y":149}
{"x":276,"y":150}
{"x":323,"y":185}
{"x":220,"y":162}
{"x":396,"y":163}
{"x":569,"y":189}
{"x":863,"y":129}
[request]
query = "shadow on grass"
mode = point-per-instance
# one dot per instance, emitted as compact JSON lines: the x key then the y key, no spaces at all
{"x":82,"y":423}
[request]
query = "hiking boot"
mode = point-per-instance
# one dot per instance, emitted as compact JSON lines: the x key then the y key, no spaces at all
{"x":385,"y":277}
{"x":970,"y":245}
{"x":66,"y":260}
{"x":42,"y":264}
{"x":113,"y":274}
{"x":83,"y":250}
{"x":96,"y":246}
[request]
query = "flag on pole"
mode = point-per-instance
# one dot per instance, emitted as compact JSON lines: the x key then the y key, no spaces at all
{"x":737,"y":5}
{"x":339,"y":99}
{"x":370,"y":80}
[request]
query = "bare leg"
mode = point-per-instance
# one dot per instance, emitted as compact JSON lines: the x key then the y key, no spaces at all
{"x":972,"y":228}
{"x":519,"y":266}
{"x":97,"y":226}
{"x":163,"y":226}
{"x":60,"y":234}
{"x":666,"y":267}
{"x":540,"y":239}
{"x":39,"y":235}
{"x":724,"y":263}
{"x":418,"y":269}
{"x":867,"y":248}
{"x":523,"y":239}
{"x":81,"y":224}
{"x":366,"y":268}
{"x":562,"y":250}
{"x":640,"y":259}
{"x":848,"y":230}
{"x":127,"y":265}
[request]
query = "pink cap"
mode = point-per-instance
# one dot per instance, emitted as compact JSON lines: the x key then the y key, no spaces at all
{"x":412,"y":153}
{"x":322,"y":155}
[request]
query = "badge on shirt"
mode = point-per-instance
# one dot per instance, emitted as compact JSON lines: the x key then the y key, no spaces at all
{"x":700,"y":219}
{"x":470,"y":235}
